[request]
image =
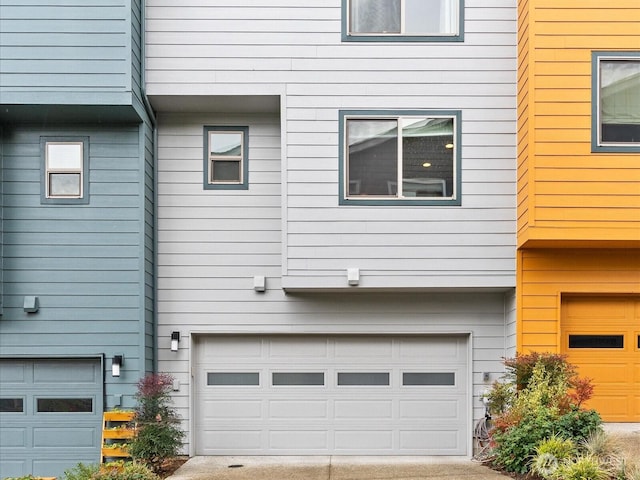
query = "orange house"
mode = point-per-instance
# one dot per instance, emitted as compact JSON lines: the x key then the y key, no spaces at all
{"x":578,"y":273}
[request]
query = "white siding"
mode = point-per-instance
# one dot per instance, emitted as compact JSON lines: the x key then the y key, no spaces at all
{"x":295,"y":49}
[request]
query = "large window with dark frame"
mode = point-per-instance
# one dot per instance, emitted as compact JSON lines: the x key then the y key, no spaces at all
{"x":616,"y":101}
{"x":409,"y":158}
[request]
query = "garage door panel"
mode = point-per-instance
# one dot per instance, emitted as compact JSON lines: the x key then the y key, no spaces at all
{"x":232,"y":439}
{"x":12,"y":437}
{"x":600,"y":336}
{"x":298,"y":348}
{"x":440,"y":441}
{"x":48,"y":373}
{"x":374,"y":440}
{"x":13,"y":372}
{"x":430,"y":409}
{"x":215,"y":410}
{"x":363,"y":409}
{"x":12,"y":468}
{"x":363,"y":350}
{"x":323,"y":395}
{"x":440,"y":349}
{"x":60,"y":419}
{"x":299,"y":440}
{"x":75,"y":437}
{"x":610,"y":374}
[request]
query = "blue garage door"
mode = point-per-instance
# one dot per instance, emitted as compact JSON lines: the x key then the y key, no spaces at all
{"x":51,"y":415}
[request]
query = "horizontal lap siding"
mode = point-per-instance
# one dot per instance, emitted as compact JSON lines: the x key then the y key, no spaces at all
{"x":247,"y":47}
{"x":81,"y":261}
{"x":579,"y":195}
{"x":78,"y":46}
{"x":545,"y":275}
{"x":206,"y":307}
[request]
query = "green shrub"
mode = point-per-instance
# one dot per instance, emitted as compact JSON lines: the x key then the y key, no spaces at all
{"x":81,"y":472}
{"x":549,"y":454}
{"x":544,"y":403}
{"x":578,"y":424}
{"x":159,"y":435}
{"x":24,"y":477}
{"x":516,"y":445}
{"x":110,"y":471}
{"x":581,"y":468}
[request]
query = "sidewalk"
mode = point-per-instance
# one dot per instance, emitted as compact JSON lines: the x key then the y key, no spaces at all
{"x":333,"y":468}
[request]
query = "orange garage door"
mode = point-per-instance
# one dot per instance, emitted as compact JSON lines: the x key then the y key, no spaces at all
{"x":601,"y":335}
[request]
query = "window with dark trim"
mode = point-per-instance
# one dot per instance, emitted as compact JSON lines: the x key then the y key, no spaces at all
{"x":616,"y":101}
{"x":400,"y":157}
{"x":64,"y":405}
{"x":11,"y":405}
{"x":233,"y":378}
{"x":402,"y":20}
{"x":65,"y":170}
{"x":596,"y":341}
{"x":226,"y":158}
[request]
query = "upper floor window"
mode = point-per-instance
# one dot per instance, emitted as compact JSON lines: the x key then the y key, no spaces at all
{"x":226,"y":157}
{"x":402,"y":20}
{"x":400,"y":158}
{"x":616,"y":101}
{"x":65,"y":162}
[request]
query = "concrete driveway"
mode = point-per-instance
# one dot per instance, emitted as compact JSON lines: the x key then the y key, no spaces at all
{"x":333,"y":468}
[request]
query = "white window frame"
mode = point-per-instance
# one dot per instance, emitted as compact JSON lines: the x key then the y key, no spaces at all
{"x":50,"y":171}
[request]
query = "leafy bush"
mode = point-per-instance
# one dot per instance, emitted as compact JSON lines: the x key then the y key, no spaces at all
{"x":81,"y":471}
{"x":546,"y":397}
{"x":110,"y":471}
{"x":549,"y":454}
{"x":516,"y":445}
{"x":159,"y":435}
{"x":581,"y":468}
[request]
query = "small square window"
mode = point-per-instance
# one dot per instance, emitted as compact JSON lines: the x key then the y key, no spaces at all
{"x":407,"y":159}
{"x":402,"y":20}
{"x":616,"y":101}
{"x":226,"y":157}
{"x":64,"y":171}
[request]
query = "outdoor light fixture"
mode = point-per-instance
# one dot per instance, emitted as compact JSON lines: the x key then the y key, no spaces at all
{"x":116,"y":364}
{"x":175,"y":339}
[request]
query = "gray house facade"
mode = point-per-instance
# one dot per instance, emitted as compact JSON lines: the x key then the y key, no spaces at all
{"x":77,"y":213}
{"x":336,"y":192}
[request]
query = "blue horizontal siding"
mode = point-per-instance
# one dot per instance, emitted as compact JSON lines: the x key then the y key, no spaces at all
{"x":81,"y":261}
{"x":71,"y":46}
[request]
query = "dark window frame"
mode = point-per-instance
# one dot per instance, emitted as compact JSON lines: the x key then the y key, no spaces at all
{"x":208,"y":183}
{"x":455,"y":199}
{"x":347,"y":36}
{"x":597,"y":145}
{"x":44,"y":173}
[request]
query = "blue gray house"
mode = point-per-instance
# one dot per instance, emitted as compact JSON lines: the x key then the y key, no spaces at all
{"x":77,"y":212}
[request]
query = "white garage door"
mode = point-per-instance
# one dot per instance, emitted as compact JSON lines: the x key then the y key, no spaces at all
{"x":332,"y":395}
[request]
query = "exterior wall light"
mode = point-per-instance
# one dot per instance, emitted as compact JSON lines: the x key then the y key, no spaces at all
{"x":116,"y":364}
{"x":175,"y":339}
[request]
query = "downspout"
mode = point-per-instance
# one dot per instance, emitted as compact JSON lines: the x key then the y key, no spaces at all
{"x":154,"y":124}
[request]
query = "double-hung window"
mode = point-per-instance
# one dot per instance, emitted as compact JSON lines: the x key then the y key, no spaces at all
{"x":64,"y":173}
{"x":616,"y":101}
{"x":400,"y":158}
{"x":226,"y":157}
{"x":402,"y":20}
